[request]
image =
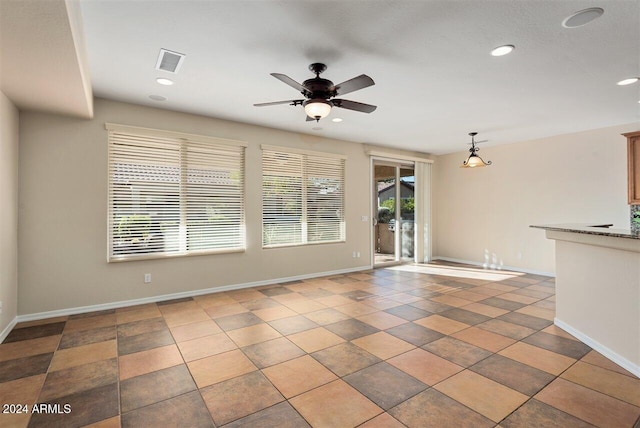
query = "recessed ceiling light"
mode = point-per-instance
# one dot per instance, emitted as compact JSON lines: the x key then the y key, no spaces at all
{"x":336,"y":119}
{"x":158,"y":98}
{"x":502,"y":50}
{"x":164,"y":81}
{"x":628,"y":81}
{"x":582,"y":17}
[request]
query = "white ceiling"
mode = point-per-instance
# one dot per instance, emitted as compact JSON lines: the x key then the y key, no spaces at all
{"x":435,"y":80}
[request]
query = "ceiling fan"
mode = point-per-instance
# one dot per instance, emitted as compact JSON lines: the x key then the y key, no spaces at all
{"x":319,"y":93}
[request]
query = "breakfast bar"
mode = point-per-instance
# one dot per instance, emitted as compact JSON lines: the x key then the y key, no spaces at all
{"x":598,"y":288}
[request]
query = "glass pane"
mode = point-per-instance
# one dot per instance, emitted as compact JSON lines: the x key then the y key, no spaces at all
{"x":407,"y":212}
{"x":385,"y":229}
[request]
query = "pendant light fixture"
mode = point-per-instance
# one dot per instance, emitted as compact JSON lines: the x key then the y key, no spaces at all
{"x":474,"y":161}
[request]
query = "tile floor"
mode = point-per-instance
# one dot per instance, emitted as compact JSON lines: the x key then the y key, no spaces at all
{"x":417,"y":345}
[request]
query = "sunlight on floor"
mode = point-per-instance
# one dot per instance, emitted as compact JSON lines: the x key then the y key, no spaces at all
{"x":458,"y":272}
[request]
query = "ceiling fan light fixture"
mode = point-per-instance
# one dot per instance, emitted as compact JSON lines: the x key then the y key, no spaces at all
{"x":317,"y":108}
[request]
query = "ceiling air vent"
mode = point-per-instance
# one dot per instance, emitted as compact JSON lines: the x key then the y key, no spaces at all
{"x":169,"y":61}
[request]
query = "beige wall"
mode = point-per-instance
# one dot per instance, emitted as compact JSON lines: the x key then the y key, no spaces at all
{"x":63,"y":213}
{"x":484,"y":214}
{"x":8,"y":211}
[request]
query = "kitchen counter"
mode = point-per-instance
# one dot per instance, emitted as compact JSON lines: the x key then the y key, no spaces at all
{"x":598,"y":288}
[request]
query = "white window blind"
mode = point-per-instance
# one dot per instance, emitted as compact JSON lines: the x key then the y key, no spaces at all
{"x":302,"y":197}
{"x":173,"y":194}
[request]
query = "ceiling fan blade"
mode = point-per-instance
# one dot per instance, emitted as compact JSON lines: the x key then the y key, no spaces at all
{"x":275,"y":103}
{"x":360,"y":82}
{"x":289,"y":81}
{"x":354,"y":105}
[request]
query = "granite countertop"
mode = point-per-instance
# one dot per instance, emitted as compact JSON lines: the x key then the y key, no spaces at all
{"x":589,"y":229}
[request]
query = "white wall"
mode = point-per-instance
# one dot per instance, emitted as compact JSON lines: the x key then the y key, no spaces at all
{"x":63,"y":213}
{"x":8,"y":211}
{"x":484,"y":214}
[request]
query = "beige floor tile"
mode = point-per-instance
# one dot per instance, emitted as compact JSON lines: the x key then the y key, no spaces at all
{"x":519,"y":298}
{"x":107,"y":423}
{"x":597,"y":359}
{"x":149,"y":361}
{"x":326,"y":316}
{"x":315,"y":339}
{"x":245,"y":295}
{"x":489,"y":398}
{"x":356,"y":309}
{"x":216,"y":312}
{"x":275,"y":313}
{"x":442,"y":324}
{"x":85,"y":354}
{"x":382,"y":320}
{"x":484,"y":339}
{"x":539,"y":312}
{"x":335,"y":300}
{"x":384,"y":420}
{"x":195,"y":330}
{"x":211,"y":300}
{"x":589,"y":405}
{"x":555,"y":330}
{"x":451,"y":300}
{"x":404,"y":298}
{"x":138,"y":314}
{"x":539,"y":358}
{"x":335,"y":405}
{"x":469,"y":295}
{"x":178,"y":318}
{"x":26,"y":348}
{"x":303,"y":306}
{"x":254,"y":334}
{"x":501,"y":287}
{"x":21,"y":391}
{"x":383,"y":345}
{"x":218,"y":368}
{"x":425,"y":366}
{"x":617,"y":385}
{"x":381,"y":303}
{"x":206,"y":346}
{"x":486,"y":310}
{"x":296,"y":376}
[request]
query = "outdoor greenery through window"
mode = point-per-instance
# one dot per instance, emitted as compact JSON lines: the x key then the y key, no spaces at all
{"x":173,"y":194}
{"x":302,"y":197}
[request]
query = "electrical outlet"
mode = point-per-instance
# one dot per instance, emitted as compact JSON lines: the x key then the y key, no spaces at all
{"x":358,"y":254}
{"x":0,"y":307}
{"x":147,"y":278}
{"x":354,"y":255}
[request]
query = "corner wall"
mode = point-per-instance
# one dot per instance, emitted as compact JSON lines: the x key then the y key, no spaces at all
{"x":483,"y":215}
{"x":8,"y":212}
{"x":63,"y":213}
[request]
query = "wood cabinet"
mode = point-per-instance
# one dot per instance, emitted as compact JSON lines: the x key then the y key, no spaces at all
{"x":633,"y":160}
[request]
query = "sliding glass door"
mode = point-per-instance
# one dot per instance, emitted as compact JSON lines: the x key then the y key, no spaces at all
{"x":394,"y":212}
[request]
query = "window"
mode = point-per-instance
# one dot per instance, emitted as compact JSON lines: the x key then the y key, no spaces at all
{"x":302,"y":197}
{"x":173,"y":194}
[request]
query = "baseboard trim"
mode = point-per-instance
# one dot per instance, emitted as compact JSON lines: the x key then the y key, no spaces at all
{"x":8,"y":329}
{"x":161,"y":298}
{"x":596,"y":346}
{"x":506,"y":268}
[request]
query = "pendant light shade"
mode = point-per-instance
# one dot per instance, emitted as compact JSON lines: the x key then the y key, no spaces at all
{"x":474,"y":161}
{"x":317,"y":108}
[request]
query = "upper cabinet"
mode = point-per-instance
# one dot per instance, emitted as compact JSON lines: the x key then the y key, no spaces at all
{"x":633,"y":159}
